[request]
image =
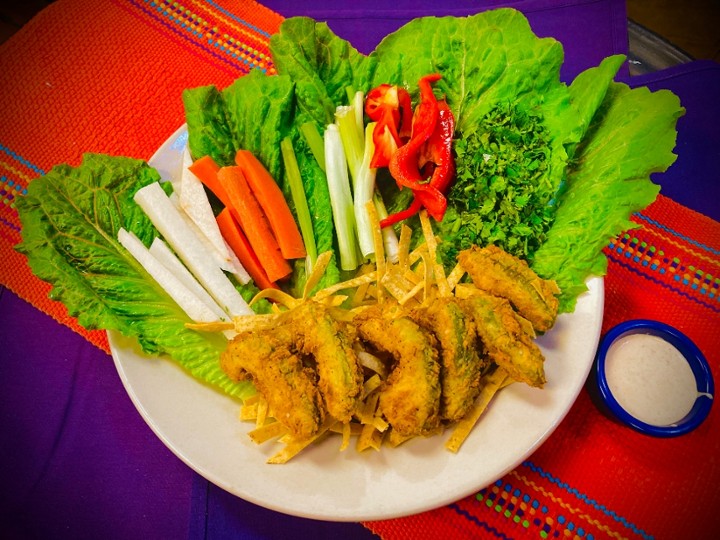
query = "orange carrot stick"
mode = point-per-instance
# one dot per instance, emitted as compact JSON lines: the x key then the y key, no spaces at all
{"x":206,"y":170}
{"x":273,"y":203}
{"x":246,"y":210}
{"x":234,"y":236}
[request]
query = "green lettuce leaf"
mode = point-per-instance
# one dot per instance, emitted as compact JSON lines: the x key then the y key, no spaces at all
{"x":259,"y":110}
{"x":484,"y":59}
{"x":631,"y":136}
{"x":321,"y":64}
{"x":208,"y":129}
{"x":253,"y":113}
{"x":70,"y":218}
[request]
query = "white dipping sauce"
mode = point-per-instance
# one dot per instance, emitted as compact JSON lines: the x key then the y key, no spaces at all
{"x":650,"y":379}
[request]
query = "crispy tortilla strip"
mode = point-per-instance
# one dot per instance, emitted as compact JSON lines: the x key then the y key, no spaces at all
{"x":412,"y":293}
{"x":262,"y":413}
{"x":349,"y":284}
{"x":248,"y":323}
{"x":249,"y":412}
{"x":374,"y":382}
{"x":346,"y":432}
{"x":404,"y":247}
{"x":491,"y":384}
{"x":380,"y":262}
{"x":294,"y":446}
{"x":217,"y":326}
{"x":360,"y":294}
{"x":438,"y":270}
{"x":264,"y":433}
{"x":368,"y":418}
{"x":278,"y":296}
{"x":340,"y":427}
{"x":317,"y":272}
{"x":395,"y":283}
{"x":455,"y":276}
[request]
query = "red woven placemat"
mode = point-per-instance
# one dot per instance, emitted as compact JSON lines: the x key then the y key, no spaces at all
{"x":106,"y":76}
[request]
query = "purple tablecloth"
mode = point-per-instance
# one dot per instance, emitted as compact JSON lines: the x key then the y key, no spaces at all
{"x":77,"y":460}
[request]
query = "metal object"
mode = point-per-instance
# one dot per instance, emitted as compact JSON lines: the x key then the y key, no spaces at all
{"x":650,"y":52}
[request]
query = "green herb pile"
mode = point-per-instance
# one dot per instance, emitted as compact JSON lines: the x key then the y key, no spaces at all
{"x":501,"y":194}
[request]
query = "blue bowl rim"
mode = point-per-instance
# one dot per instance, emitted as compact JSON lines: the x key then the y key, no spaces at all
{"x":694,"y":357}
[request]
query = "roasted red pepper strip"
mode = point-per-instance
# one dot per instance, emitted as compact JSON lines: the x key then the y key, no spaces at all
{"x":397,"y":217}
{"x":406,"y":115}
{"x":437,"y":161}
{"x":404,"y":162}
{"x":385,"y":141}
{"x":438,"y":151}
{"x":391,"y":109}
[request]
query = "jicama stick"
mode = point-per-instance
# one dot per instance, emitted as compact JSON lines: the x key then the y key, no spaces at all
{"x":193,"y":307}
{"x":191,"y":249}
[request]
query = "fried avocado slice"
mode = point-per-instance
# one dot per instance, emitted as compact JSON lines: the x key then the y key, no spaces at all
{"x":460,"y":362}
{"x":410,"y":399}
{"x":340,"y":375}
{"x":501,"y":274}
{"x":268,"y":360}
{"x":502,"y":334}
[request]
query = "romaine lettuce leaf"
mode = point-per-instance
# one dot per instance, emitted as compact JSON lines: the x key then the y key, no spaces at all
{"x":208,"y":129}
{"x":259,"y":111}
{"x":631,"y":136}
{"x":70,"y":219}
{"x":321,"y":64}
{"x":253,"y":113}
{"x":484,"y":59}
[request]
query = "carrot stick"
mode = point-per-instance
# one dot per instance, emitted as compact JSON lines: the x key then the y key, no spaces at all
{"x":206,"y":170}
{"x":234,"y":236}
{"x":273,"y":203}
{"x":246,"y":210}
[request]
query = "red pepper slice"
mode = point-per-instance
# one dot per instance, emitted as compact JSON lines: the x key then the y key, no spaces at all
{"x":406,"y":115}
{"x":404,"y":163}
{"x":437,"y":163}
{"x":397,"y":217}
{"x":391,"y":109}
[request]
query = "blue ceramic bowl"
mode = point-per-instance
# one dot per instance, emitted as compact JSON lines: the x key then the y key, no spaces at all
{"x":687,"y":348}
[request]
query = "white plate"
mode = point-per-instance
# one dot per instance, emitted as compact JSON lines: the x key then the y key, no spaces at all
{"x":201,"y":426}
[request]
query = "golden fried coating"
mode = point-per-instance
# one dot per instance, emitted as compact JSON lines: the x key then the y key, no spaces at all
{"x":507,"y":344}
{"x":266,"y":358}
{"x":340,"y":374}
{"x":501,"y":274}
{"x":460,"y":363}
{"x":410,"y":399}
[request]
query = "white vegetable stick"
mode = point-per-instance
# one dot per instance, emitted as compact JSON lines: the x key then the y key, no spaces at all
{"x":195,"y":308}
{"x":164,"y":254}
{"x":190,"y":248}
{"x":195,"y":203}
{"x":226,"y":260}
{"x":220,"y":258}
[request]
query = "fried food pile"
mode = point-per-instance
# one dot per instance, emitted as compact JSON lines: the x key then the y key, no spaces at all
{"x":398,"y":352}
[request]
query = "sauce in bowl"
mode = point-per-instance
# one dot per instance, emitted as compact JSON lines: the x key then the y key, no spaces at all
{"x":653,"y":378}
{"x":650,"y":379}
